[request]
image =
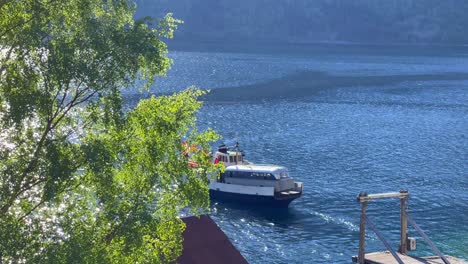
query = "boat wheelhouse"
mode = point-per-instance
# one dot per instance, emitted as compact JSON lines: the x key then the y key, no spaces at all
{"x":229,"y":157}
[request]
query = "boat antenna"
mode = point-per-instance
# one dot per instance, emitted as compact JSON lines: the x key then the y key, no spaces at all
{"x":237,"y":150}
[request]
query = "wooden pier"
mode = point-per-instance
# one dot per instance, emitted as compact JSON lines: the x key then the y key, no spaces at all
{"x":390,"y":256}
{"x":387,"y":258}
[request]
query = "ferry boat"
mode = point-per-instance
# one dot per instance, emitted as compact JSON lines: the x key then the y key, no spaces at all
{"x":243,"y":181}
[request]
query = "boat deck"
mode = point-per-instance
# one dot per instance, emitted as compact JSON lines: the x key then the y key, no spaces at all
{"x":385,"y":257}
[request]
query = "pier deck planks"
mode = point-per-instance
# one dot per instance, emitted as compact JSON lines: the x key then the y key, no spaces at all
{"x":387,"y":258}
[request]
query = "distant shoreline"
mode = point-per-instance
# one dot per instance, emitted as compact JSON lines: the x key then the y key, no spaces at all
{"x":319,"y":47}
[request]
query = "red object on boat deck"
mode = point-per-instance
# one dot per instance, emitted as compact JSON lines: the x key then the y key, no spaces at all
{"x":193,"y":164}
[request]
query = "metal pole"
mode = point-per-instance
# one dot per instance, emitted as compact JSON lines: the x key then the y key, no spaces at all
{"x":362,"y":231}
{"x":403,"y":225}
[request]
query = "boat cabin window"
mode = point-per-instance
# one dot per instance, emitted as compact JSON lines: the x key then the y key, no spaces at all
{"x":234,"y":158}
{"x":250,"y":175}
{"x":230,"y":157}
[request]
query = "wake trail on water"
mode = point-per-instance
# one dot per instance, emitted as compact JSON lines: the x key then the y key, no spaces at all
{"x":338,"y":221}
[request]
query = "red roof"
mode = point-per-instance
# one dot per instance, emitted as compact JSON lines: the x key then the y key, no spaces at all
{"x":205,"y":243}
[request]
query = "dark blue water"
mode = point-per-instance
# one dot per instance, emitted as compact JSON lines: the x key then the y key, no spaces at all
{"x":342,"y":124}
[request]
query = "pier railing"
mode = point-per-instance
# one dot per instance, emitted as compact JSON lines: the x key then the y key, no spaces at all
{"x":403,"y":195}
{"x":426,"y":238}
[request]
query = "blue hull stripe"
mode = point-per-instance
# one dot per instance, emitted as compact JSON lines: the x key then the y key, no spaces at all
{"x":251,"y":199}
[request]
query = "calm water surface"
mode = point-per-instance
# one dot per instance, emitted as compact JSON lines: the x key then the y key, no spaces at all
{"x":340,"y":138}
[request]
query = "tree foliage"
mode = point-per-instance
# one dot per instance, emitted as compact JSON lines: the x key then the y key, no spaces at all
{"x":81,"y":180}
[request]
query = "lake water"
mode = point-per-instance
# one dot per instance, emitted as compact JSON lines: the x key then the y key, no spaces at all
{"x":342,"y":122}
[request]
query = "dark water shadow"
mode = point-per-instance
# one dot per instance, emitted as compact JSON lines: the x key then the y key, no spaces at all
{"x":310,"y":83}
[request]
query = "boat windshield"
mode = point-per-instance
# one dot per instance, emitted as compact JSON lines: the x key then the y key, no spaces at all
{"x":233,"y":158}
{"x":282,"y":175}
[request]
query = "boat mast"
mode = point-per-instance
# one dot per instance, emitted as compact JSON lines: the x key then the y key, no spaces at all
{"x":237,"y":149}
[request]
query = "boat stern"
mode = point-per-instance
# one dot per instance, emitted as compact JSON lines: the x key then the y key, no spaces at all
{"x":290,"y":194}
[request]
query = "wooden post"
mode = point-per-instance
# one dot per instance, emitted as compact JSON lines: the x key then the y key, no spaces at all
{"x":403,"y":225}
{"x":362,"y":230}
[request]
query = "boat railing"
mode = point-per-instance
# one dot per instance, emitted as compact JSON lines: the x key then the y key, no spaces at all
{"x":298,"y":186}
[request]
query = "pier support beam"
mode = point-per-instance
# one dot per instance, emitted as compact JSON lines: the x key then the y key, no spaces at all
{"x":362,"y":230}
{"x":403,"y":224}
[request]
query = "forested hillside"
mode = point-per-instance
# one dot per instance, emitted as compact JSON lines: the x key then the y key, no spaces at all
{"x":296,"y":21}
